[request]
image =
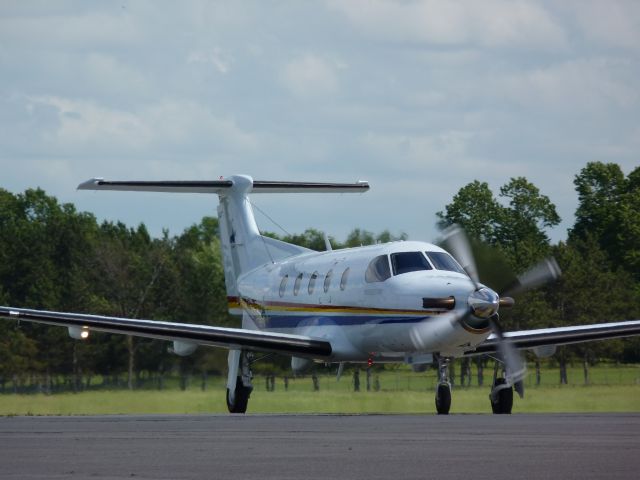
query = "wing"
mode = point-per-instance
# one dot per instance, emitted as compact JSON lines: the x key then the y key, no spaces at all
{"x":231,"y":338}
{"x":544,"y":337}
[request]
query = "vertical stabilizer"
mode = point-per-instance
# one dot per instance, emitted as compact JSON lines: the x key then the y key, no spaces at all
{"x":243,"y":248}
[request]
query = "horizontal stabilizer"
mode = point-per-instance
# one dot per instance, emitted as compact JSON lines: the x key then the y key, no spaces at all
{"x":220,"y":186}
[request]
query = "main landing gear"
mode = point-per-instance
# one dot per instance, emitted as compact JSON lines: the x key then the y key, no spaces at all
{"x":239,"y":385}
{"x":501,"y":395}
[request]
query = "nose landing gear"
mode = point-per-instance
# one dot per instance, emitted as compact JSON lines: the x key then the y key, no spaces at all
{"x":443,"y":390}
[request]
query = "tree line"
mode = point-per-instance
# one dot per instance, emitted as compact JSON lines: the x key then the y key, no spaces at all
{"x":53,"y":257}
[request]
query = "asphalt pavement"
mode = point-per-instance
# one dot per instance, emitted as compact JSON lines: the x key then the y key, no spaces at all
{"x":322,"y":447}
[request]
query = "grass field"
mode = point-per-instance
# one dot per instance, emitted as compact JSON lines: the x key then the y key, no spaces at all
{"x":611,"y":389}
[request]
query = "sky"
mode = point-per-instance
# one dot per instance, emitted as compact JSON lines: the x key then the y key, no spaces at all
{"x":417,"y":97}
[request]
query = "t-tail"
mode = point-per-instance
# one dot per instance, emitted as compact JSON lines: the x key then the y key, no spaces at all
{"x":243,"y":247}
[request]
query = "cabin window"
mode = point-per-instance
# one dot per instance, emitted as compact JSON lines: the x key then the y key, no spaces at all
{"x":344,"y":278}
{"x":283,"y":285}
{"x":296,"y":285}
{"x":312,"y":282}
{"x":444,"y":261}
{"x":405,"y":262}
{"x":327,"y":281}
{"x":378,"y":270}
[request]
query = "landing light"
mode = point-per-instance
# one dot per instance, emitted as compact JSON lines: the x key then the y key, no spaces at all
{"x":79,"y":333}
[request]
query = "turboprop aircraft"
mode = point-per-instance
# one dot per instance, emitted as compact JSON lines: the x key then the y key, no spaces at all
{"x":410,"y":302}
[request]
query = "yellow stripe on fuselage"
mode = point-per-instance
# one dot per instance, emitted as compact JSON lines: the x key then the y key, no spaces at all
{"x":315,"y":309}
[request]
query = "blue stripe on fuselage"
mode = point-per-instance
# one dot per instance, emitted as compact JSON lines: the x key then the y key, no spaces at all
{"x":294,"y":321}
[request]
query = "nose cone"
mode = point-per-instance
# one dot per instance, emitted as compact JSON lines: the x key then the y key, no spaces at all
{"x":484,"y":303}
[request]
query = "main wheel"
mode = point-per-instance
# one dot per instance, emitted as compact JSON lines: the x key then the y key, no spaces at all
{"x":241,"y":398}
{"x":503,"y":401}
{"x":443,"y":398}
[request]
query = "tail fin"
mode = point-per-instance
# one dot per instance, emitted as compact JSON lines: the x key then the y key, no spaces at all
{"x":243,"y":248}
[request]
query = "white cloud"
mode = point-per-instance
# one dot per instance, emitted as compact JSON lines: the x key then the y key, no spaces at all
{"x":612,"y":23}
{"x":84,"y":125}
{"x":311,"y":76}
{"x":87,"y":128}
{"x":72,"y":32}
{"x":216,"y":57}
{"x":574,"y":86}
{"x":490,"y":23}
{"x":190,"y":125}
{"x":441,"y":151}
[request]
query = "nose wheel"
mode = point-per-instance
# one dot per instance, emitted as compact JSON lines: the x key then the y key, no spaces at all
{"x":443,"y":390}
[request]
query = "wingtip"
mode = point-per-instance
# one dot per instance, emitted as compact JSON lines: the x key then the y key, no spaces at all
{"x":89,"y":184}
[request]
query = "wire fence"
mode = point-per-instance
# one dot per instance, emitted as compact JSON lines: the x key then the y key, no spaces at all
{"x":354,"y":379}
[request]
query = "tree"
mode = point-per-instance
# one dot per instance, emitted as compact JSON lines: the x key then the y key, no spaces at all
{"x":517,"y":230}
{"x":475,"y":209}
{"x":599,"y":187}
{"x":608,"y":211}
{"x":522,"y":231}
{"x":358,"y":237}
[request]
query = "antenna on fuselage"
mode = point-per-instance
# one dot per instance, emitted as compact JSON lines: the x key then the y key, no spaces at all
{"x":327,"y":243}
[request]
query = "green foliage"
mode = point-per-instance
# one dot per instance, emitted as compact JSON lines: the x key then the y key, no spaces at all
{"x":311,"y":238}
{"x":359,"y":237}
{"x":608,"y":210}
{"x":314,"y":239}
{"x":517,"y":230}
{"x":474,"y":208}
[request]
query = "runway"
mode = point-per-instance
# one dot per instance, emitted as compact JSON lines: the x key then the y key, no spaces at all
{"x":322,"y":447}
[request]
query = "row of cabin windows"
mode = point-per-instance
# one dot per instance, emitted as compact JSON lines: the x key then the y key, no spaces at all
{"x":379,"y":269}
{"x":312,"y":282}
{"x":405,"y":262}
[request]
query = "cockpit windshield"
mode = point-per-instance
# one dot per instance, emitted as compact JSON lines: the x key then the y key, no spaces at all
{"x":444,"y":261}
{"x":405,"y":262}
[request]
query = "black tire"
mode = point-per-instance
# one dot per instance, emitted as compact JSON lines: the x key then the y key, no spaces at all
{"x":443,"y":399}
{"x":241,"y":399}
{"x":503,"y":404}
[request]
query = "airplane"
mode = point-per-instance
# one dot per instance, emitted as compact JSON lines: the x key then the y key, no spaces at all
{"x":404,"y":302}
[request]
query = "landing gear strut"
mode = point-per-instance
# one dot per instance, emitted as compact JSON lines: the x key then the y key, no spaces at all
{"x":501,"y":395}
{"x":443,"y":390}
{"x":239,"y":385}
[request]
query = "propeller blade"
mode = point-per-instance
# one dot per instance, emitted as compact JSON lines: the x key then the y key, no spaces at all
{"x":543,"y":272}
{"x":423,"y":333}
{"x":515,"y":367}
{"x":456,"y":242}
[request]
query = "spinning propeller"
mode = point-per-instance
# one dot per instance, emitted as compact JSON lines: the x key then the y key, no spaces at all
{"x":484,"y":302}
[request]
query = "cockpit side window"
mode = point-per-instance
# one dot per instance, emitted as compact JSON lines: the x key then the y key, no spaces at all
{"x":405,"y":262}
{"x":444,"y":261}
{"x":378,"y":270}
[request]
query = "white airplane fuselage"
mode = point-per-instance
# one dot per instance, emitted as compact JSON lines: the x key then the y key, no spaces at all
{"x":330,"y":295}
